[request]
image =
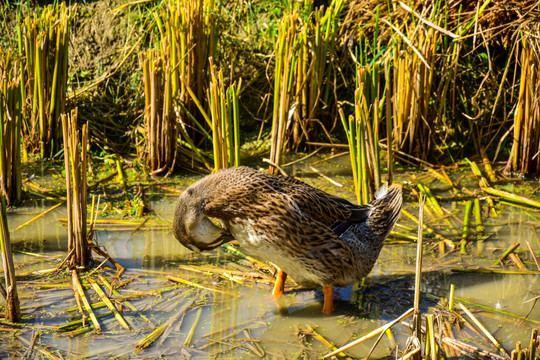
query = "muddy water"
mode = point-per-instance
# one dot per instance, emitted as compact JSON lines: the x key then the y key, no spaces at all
{"x":150,"y":255}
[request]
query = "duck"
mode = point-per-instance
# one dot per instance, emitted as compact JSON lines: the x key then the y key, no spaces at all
{"x":318,"y":239}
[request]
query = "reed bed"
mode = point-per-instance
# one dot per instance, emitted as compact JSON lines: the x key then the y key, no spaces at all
{"x":11,"y":117}
{"x":175,"y":79}
{"x":414,"y":55}
{"x":362,"y":130}
{"x":224,"y":111}
{"x":75,"y":157}
{"x":525,"y":154}
{"x":285,"y":57}
{"x":161,"y":133}
{"x":43,"y":41}
{"x":304,"y":51}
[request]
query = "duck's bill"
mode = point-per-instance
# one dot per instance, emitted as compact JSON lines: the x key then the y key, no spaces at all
{"x":212,"y":245}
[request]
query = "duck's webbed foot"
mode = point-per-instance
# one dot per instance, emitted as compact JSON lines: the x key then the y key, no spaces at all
{"x":279,"y":286}
{"x":328,"y":307}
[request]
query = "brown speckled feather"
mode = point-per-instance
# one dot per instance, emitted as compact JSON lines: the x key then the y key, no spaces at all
{"x":259,"y":189}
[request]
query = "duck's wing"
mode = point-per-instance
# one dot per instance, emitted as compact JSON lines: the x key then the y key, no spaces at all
{"x":244,"y":190}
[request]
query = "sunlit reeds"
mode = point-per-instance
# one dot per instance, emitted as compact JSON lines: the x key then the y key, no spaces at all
{"x":362,"y":135}
{"x":414,"y":53}
{"x":176,"y":78}
{"x":223,"y":104}
{"x":159,"y":150}
{"x":525,"y":154}
{"x":303,"y":79}
{"x":44,"y":42}
{"x":285,"y":57}
{"x":11,"y":116}
{"x":313,"y":74}
{"x":75,"y":156}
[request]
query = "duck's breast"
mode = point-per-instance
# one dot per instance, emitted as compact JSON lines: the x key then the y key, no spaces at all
{"x":266,"y":247}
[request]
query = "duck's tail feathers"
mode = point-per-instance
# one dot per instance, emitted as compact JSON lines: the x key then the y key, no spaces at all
{"x":386,"y":210}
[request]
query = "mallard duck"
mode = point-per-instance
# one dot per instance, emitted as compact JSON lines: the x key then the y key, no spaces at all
{"x":319,"y":239}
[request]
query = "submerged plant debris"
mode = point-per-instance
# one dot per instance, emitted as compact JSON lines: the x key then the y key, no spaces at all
{"x":171,"y":303}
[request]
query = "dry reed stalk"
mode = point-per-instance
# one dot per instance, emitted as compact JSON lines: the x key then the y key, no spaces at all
{"x":414,"y":50}
{"x":309,"y":330}
{"x":110,"y":305}
{"x":418,"y":278}
{"x":285,"y":58}
{"x":75,"y":156}
{"x":189,"y":336}
{"x":525,"y":154}
{"x":176,"y":279}
{"x":11,"y":116}
{"x":12,"y":306}
{"x":44,"y":41}
{"x":371,"y":334}
{"x":430,"y":230}
{"x":159,"y":114}
{"x":54,"y":207}
{"x":483,"y":329}
{"x":154,"y":335}
{"x":78,"y":288}
{"x":112,"y":290}
{"x":176,"y":78}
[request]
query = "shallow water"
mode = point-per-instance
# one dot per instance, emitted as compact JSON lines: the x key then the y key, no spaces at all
{"x":149,"y":256}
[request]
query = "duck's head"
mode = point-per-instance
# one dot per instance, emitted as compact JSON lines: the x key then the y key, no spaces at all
{"x":191,"y":226}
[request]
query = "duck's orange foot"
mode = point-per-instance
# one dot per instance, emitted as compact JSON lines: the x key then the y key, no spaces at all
{"x":328,"y":306}
{"x":279,"y":286}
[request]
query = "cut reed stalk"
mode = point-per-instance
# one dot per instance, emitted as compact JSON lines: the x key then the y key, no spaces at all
{"x":11,"y":116}
{"x":44,"y":41}
{"x":483,"y":329}
{"x":414,"y":49}
{"x":478,"y":217}
{"x":159,"y":114}
{"x":75,"y":156}
{"x":525,"y":154}
{"x":80,"y":291}
{"x":12,"y":305}
{"x":505,"y":254}
{"x":362,"y":133}
{"x":466,"y":227}
{"x":418,"y":278}
{"x":225,"y":120}
{"x":176,"y":78}
{"x":110,"y":306}
{"x":285,"y":58}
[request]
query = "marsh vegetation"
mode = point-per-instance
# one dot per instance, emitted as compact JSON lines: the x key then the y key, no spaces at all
{"x":109,"y":109}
